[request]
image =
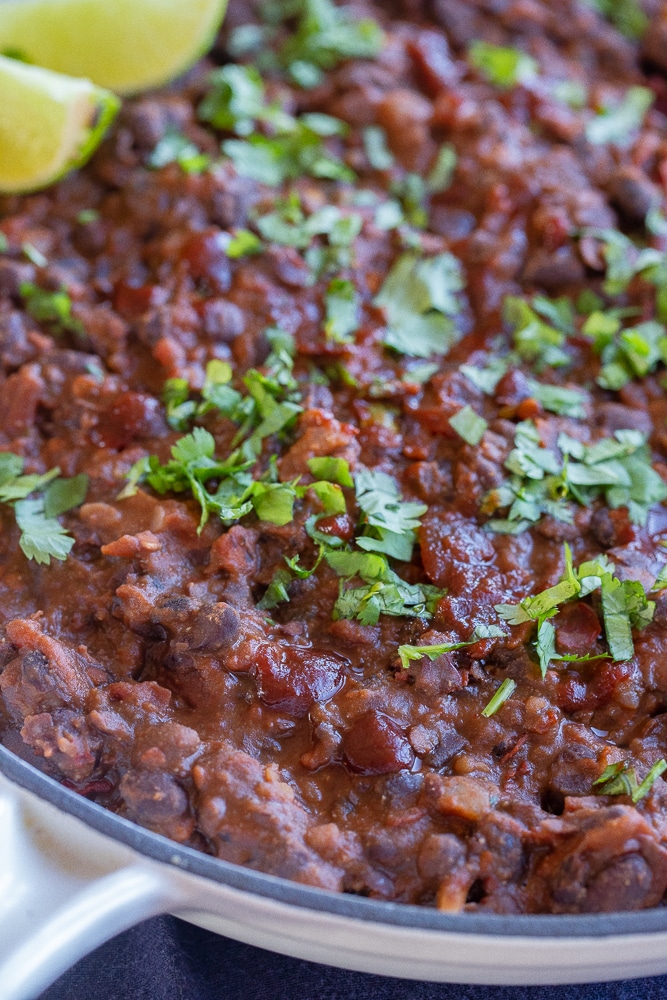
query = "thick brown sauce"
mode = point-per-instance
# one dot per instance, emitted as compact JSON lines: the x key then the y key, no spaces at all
{"x":139,"y":671}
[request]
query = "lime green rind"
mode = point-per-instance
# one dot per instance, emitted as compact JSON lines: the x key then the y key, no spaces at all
{"x":124,"y":45}
{"x":108,"y":108}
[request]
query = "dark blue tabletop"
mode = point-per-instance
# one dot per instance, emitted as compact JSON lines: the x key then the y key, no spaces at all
{"x":167,"y":959}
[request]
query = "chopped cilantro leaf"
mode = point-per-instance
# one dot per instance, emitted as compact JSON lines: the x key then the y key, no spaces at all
{"x":329,"y":495}
{"x":486,"y":379}
{"x":34,"y":255}
{"x":342,"y":311}
{"x":626,"y":15}
{"x":618,"y":469}
{"x":442,"y":171}
{"x":389,"y":523}
{"x":179,"y":407}
{"x":384,"y":593}
{"x":332,"y":470}
{"x":536,"y":340}
{"x":624,"y":607}
{"x":545,"y":647}
{"x":559,"y":399}
{"x":532,"y":608}
{"x":411,"y":191}
{"x":646,"y":785}
{"x":174,"y":147}
{"x":54,"y":308}
{"x":571,"y":92}
{"x":87,"y":215}
{"x":376,"y":149}
{"x":626,"y":353}
{"x":301,"y":573}
{"x":42,"y":536}
{"x":291,"y":153}
{"x":419,"y":297}
{"x":420,"y":374}
{"x":620,"y":779}
{"x":242,"y":244}
{"x":661,"y":579}
{"x":325,"y":35}
{"x":502,"y":66}
{"x":62,"y":495}
{"x":276,"y":593}
{"x":619,"y":123}
{"x":236,"y":101}
{"x":273,"y":502}
{"x":469,"y":425}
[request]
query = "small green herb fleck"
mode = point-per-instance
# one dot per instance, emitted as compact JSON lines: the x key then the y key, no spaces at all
{"x":502,"y":66}
{"x":342,"y":311}
{"x":469,"y":425}
{"x":176,"y":148}
{"x":626,"y":15}
{"x":34,"y":255}
{"x":87,"y":215}
{"x":619,"y":123}
{"x":504,"y":692}
{"x":325,"y":35}
{"x":54,"y":308}
{"x":242,"y":244}
{"x":377,"y":151}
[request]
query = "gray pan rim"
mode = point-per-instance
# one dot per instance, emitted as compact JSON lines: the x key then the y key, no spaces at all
{"x":186,"y":859}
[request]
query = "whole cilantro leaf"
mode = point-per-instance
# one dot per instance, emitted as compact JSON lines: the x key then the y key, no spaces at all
{"x":419,"y":297}
{"x":42,"y":537}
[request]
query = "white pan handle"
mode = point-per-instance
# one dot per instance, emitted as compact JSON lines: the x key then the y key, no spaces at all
{"x":64,"y":890}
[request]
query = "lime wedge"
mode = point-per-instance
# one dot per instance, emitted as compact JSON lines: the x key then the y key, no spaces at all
{"x":49,"y":123}
{"x":126,"y":45}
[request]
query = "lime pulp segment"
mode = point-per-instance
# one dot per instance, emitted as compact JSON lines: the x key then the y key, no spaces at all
{"x":49,"y":123}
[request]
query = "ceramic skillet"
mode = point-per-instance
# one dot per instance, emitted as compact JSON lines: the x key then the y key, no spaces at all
{"x":73,"y":875}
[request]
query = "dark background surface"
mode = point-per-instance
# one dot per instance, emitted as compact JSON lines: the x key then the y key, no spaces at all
{"x":168,"y":959}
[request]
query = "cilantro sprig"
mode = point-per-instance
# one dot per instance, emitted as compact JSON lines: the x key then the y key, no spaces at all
{"x":386,"y":530}
{"x":226,"y":487}
{"x":621,"y":779}
{"x":383,"y":592}
{"x":544,"y":481}
{"x":624,"y":604}
{"x":37,"y":501}
{"x":408,"y":653}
